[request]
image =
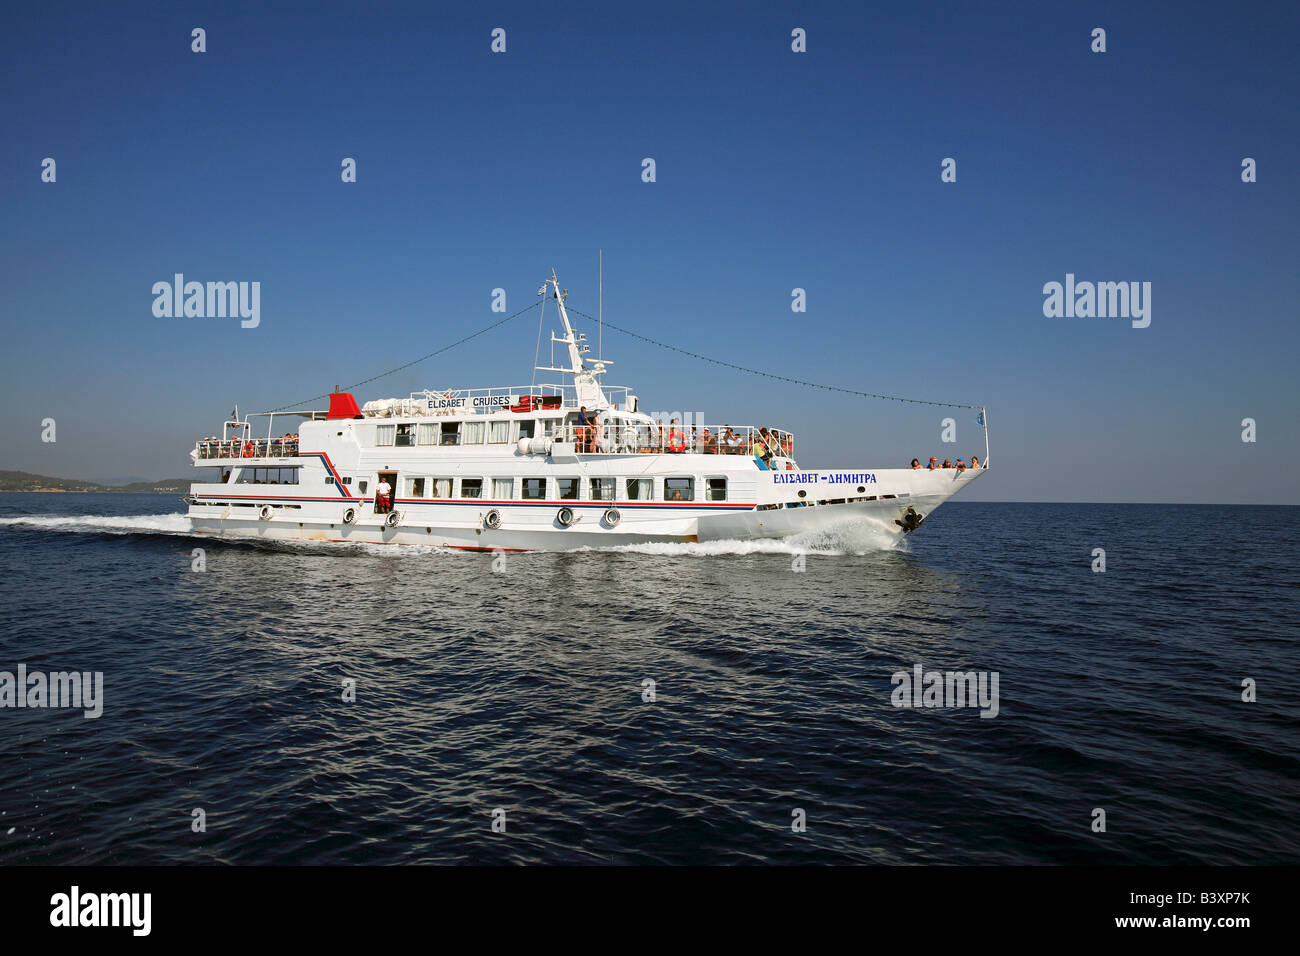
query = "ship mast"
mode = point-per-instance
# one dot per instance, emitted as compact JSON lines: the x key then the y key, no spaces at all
{"x":586,"y":379}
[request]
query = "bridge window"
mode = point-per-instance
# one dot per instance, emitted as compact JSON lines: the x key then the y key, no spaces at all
{"x":602,"y":489}
{"x":534,"y":489}
{"x":385,"y":434}
{"x":427,"y":434}
{"x":471,"y":433}
{"x":640,"y":489}
{"x":568,"y":488}
{"x":528,"y":428}
{"x":503,"y":489}
{"x":499,"y":432}
{"x":717,"y":489}
{"x":450,"y":433}
{"x":471,"y":487}
{"x":679,"y":489}
{"x":405,"y":436}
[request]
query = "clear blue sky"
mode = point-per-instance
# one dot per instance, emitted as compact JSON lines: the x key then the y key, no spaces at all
{"x":775,"y":170}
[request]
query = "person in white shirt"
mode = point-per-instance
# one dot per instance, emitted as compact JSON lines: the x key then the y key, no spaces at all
{"x":384,"y":491}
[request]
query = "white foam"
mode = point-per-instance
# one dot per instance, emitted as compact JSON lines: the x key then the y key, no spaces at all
{"x":850,"y":537}
{"x":115,"y":524}
{"x":847,"y":538}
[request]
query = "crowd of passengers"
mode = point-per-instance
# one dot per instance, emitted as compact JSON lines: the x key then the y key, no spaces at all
{"x":214,"y":447}
{"x":673,"y":438}
{"x":947,"y":463}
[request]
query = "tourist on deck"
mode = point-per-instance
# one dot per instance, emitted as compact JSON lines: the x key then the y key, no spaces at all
{"x":676,"y":437}
{"x":961,"y":465}
{"x":584,"y":429}
{"x":708,"y":443}
{"x":947,"y":463}
{"x":974,"y":461}
{"x":916,"y":464}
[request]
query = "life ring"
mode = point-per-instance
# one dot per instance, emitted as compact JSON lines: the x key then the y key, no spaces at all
{"x":393,"y":519}
{"x":248,"y":449}
{"x":349,"y":515}
{"x":492,"y":520}
{"x":266,"y":512}
{"x":612,"y":517}
{"x":564,"y":516}
{"x":676,"y":442}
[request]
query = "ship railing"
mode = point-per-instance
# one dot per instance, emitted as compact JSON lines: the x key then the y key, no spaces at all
{"x":520,"y":398}
{"x":208,"y":448}
{"x":627,"y":438}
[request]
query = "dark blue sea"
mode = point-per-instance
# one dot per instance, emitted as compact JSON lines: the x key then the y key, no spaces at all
{"x":521,"y":689}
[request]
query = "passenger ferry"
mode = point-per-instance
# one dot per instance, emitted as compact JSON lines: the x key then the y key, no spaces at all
{"x":539,"y":467}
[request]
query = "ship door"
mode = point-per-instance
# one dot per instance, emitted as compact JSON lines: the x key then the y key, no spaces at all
{"x":383,"y":504}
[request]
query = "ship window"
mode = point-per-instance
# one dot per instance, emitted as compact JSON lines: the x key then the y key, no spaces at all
{"x":679,"y":489}
{"x":269,"y":476}
{"x":329,"y":479}
{"x":427,"y":434}
{"x":534,"y":488}
{"x":640,"y":489}
{"x":450,"y":433}
{"x":385,"y":434}
{"x":499,"y":432}
{"x":416,"y":487}
{"x":361,"y":486}
{"x":568,"y":488}
{"x":471,"y":487}
{"x":503,"y":489}
{"x":528,"y":428}
{"x":717,"y":489}
{"x":347,"y":479}
{"x":602,"y":489}
{"x":471,"y":433}
{"x":442,"y":487}
{"x":405,"y":436}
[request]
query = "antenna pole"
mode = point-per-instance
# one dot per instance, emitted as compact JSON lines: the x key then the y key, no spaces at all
{"x":600,"y":312}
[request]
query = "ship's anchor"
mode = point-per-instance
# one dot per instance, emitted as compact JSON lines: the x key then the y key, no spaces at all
{"x":910,"y":520}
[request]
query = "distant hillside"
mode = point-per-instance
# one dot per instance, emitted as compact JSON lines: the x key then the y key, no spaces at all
{"x":26,"y":481}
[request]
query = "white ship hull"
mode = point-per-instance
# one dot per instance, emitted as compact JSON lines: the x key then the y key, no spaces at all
{"x":779,"y":513}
